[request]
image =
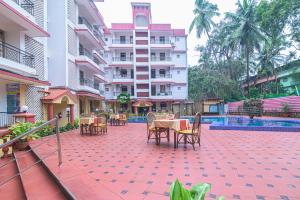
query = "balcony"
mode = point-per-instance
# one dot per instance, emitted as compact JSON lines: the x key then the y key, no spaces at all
{"x":162,"y":78}
{"x":15,"y":59}
{"x":122,"y":61}
{"x":89,"y":34}
{"x":162,"y":95}
{"x":116,"y":94}
{"x":87,"y":59}
{"x":161,"y":61}
{"x":121,"y":44}
{"x":119,"y":79}
{"x":157,"y":44}
{"x":91,"y":86}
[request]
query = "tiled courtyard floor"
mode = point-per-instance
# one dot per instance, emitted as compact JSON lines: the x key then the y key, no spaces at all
{"x":121,"y":165}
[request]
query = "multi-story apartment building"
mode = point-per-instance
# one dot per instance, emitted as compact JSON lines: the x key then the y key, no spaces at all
{"x":76,"y":49}
{"x":147,"y":61}
{"x":23,"y":57}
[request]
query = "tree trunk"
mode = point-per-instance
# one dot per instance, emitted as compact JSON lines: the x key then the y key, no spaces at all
{"x":248,"y":70}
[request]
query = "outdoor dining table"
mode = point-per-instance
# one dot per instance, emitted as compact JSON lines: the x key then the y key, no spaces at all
{"x":86,"y":121}
{"x":174,"y":124}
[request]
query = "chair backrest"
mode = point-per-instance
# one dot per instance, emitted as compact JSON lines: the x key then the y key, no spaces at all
{"x":150,"y":118}
{"x":197,"y":123}
{"x":177,"y":115}
{"x":101,"y":119}
{"x":122,"y":117}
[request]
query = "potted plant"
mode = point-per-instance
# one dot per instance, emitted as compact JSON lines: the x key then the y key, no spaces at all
{"x":285,"y":110}
{"x":253,"y":107}
{"x":19,"y":129}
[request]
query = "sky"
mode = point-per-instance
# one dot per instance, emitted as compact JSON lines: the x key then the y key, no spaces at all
{"x":179,"y":13}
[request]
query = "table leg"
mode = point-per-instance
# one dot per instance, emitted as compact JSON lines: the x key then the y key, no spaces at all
{"x":156,"y":136}
{"x":175,"y":139}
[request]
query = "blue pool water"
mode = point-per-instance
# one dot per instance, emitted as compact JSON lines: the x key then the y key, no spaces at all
{"x":239,"y":123}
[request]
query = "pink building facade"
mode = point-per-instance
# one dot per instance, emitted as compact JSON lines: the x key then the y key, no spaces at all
{"x":147,"y":61}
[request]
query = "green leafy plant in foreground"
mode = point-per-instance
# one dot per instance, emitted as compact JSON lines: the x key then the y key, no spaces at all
{"x":197,"y":192}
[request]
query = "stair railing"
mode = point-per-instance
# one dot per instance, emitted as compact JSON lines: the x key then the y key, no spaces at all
{"x":11,"y":142}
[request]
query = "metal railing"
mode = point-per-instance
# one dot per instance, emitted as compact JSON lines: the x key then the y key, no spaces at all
{"x":27,"y":5}
{"x":116,"y":41}
{"x":95,"y":31}
{"x":162,"y":76}
{"x":159,"y":59}
{"x":87,"y":82}
{"x":168,"y":93}
{"x":118,"y":93}
{"x":16,"y":139}
{"x":160,"y":41}
{"x":122,"y":76}
{"x":6,"y":119}
{"x":122,"y":59}
{"x":15,"y":54}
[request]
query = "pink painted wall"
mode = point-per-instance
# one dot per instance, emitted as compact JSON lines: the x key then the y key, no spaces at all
{"x":274,"y":104}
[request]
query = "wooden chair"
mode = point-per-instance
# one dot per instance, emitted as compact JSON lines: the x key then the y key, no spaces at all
{"x":122,"y":119}
{"x":162,"y":132}
{"x":100,"y":125}
{"x":191,"y":136}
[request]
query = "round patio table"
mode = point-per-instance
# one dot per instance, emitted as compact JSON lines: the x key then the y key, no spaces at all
{"x":174,"y":124}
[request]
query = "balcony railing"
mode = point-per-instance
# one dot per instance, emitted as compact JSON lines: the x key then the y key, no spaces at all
{"x":122,"y":76}
{"x":27,"y":5}
{"x":87,"y":53}
{"x":6,"y":119}
{"x":118,"y":93}
{"x":122,"y":59}
{"x":15,"y":54}
{"x":168,"y":93}
{"x":87,"y":82}
{"x":162,"y":76}
{"x":95,"y":31}
{"x":160,"y":41}
{"x":122,"y":41}
{"x":160,"y":59}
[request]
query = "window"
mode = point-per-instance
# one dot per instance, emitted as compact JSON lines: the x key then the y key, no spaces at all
{"x":178,"y":88}
{"x":163,"y":106}
{"x":141,"y":21}
{"x":152,"y":39}
{"x":162,"y":89}
{"x":177,"y":39}
{"x":162,"y":73}
{"x":131,"y":73}
{"x":178,"y":56}
{"x":131,"y":56}
{"x":153,"y":90}
{"x":162,"y":40}
{"x":106,"y":39}
{"x":153,"y":74}
{"x":131,"y":39}
{"x":122,"y":56}
{"x":107,"y":89}
{"x":122,"y":39}
{"x":81,"y":77}
{"x":132,"y":90}
{"x":162,"y":56}
{"x":123,"y":73}
{"x":124,"y":89}
{"x":153,"y":56}
{"x":178,"y":72}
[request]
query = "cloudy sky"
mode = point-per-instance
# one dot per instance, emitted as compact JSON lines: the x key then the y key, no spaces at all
{"x":177,"y":12}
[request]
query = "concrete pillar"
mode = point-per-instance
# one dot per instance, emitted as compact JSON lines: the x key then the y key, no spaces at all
{"x":50,"y":111}
{"x":72,"y":114}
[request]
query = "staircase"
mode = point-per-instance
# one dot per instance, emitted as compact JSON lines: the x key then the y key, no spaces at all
{"x":34,"y":182}
{"x":25,"y":176}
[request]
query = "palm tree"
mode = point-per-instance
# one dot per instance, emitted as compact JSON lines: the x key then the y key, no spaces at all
{"x":246,"y":32}
{"x":204,"y":12}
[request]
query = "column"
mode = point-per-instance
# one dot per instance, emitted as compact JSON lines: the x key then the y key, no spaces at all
{"x":72,"y":114}
{"x":50,"y":111}
{"x":135,"y":110}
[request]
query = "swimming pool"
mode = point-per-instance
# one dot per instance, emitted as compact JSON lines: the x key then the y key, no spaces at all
{"x":240,"y":123}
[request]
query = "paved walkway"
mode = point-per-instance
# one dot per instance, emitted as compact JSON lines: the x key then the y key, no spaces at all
{"x":121,"y":165}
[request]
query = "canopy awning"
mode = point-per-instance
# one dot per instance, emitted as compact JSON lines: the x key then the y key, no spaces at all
{"x":58,"y":95}
{"x":142,"y":104}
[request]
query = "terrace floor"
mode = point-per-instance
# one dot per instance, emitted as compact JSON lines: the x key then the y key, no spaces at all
{"x":121,"y":165}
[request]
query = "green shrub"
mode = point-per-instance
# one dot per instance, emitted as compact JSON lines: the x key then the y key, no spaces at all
{"x":76,"y":123}
{"x":285,"y":108}
{"x":253,"y":107}
{"x":197,"y":192}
